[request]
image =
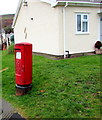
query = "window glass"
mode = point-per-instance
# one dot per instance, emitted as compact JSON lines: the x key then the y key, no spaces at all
{"x":78,"y":22}
{"x":85,"y":24}
{"x":82,"y":23}
{"x":85,"y":17}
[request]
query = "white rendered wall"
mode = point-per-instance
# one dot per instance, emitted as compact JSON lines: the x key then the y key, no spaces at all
{"x":42,"y":31}
{"x":79,"y":43}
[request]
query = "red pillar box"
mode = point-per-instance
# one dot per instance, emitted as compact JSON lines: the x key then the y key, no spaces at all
{"x":23,"y":67}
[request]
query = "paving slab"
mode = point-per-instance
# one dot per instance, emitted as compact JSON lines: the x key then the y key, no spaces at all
{"x":7,"y":112}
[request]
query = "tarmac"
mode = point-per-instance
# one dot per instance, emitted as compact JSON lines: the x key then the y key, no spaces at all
{"x":7,"y":112}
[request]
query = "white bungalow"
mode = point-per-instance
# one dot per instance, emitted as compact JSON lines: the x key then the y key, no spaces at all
{"x":59,"y":27}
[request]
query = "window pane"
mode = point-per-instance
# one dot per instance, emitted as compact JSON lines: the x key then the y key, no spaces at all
{"x":85,"y":17}
{"x":78,"y":22}
{"x":85,"y":27}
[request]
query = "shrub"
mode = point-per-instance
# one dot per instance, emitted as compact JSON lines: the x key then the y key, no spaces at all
{"x":98,"y":44}
{"x":8,"y":29}
{"x":11,"y":49}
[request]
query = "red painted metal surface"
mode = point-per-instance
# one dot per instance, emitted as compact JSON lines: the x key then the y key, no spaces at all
{"x":23,"y":63}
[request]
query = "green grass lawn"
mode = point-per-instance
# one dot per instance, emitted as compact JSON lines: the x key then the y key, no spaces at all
{"x":71,"y":87}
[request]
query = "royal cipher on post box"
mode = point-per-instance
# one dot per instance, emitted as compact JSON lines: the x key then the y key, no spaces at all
{"x":23,"y":65}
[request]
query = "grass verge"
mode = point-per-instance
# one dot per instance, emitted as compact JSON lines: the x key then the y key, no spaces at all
{"x":71,"y":87}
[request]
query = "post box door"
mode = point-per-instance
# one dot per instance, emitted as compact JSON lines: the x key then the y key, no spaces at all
{"x":19,"y":57}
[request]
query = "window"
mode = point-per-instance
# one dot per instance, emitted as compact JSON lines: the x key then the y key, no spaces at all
{"x":82,"y":23}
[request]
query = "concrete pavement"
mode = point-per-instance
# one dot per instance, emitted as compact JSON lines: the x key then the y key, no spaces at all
{"x":7,"y":112}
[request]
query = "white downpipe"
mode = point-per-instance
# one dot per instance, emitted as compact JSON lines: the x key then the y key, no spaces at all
{"x":64,"y":28}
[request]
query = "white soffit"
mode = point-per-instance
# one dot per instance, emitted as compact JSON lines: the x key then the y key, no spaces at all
{"x":49,"y":1}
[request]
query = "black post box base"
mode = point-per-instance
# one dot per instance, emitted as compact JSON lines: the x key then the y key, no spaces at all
{"x":22,"y":89}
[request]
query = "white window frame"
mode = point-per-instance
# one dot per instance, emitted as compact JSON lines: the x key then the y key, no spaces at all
{"x":82,"y":20}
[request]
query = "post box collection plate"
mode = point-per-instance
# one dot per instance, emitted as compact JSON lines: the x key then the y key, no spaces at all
{"x":18,"y":55}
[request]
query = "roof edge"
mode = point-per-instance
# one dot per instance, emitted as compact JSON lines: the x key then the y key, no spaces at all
{"x":53,"y":3}
{"x":17,"y":12}
{"x":80,"y":2}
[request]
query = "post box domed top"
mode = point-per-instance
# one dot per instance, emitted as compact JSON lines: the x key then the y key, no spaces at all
{"x":23,"y":43}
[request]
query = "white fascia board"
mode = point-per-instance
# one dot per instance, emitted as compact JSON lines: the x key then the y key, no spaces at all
{"x":91,"y":3}
{"x":17,"y":12}
{"x":85,"y":2}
